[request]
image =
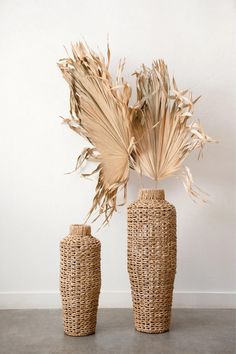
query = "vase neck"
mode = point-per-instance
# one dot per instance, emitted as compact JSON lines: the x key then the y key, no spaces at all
{"x":80,"y":230}
{"x":151,"y":194}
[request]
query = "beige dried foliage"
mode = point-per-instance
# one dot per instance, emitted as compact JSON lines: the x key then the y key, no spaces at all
{"x":100,"y":112}
{"x":163,"y":127}
{"x":154,"y":137}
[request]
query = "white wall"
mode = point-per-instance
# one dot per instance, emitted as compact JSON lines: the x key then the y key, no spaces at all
{"x":38,"y":201}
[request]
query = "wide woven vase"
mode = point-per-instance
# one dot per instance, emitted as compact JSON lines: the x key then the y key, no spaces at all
{"x":152,"y":260}
{"x":80,"y":280}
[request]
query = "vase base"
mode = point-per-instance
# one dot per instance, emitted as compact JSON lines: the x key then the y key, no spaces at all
{"x":149,"y":331}
{"x":74,"y":334}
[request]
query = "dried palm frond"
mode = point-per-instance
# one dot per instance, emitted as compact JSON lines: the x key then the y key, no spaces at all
{"x":99,"y":112}
{"x":164,"y":136}
{"x":154,"y":137}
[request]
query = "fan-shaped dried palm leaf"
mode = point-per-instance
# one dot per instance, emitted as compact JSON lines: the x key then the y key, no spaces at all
{"x":99,"y":111}
{"x":164,"y":136}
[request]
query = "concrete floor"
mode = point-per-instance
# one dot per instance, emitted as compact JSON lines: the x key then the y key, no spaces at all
{"x":192,"y":332}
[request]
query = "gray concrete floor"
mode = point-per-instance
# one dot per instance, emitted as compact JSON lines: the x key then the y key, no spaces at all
{"x":192,"y":332}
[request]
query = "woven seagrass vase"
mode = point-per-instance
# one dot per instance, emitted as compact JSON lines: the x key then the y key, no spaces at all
{"x":80,"y":280}
{"x":152,"y":260}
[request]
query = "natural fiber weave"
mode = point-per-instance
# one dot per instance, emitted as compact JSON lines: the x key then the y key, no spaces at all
{"x":152,"y":260}
{"x":80,"y":280}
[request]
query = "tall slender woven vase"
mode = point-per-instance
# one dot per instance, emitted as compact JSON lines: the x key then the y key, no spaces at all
{"x":152,"y":260}
{"x":80,"y":280}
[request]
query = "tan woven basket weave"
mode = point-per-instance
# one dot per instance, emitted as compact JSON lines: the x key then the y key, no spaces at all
{"x":80,"y":280}
{"x":152,"y":260}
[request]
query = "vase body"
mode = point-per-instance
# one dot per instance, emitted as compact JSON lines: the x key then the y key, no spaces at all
{"x":80,"y":280}
{"x":152,"y":260}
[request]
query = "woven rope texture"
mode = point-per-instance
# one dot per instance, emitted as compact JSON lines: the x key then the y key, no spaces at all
{"x":152,"y":260}
{"x":80,"y":280}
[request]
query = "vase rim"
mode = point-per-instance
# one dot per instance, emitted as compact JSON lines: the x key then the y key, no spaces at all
{"x":157,"y":194}
{"x":80,"y":229}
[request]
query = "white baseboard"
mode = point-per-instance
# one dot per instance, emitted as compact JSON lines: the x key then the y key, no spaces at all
{"x":117,"y":299}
